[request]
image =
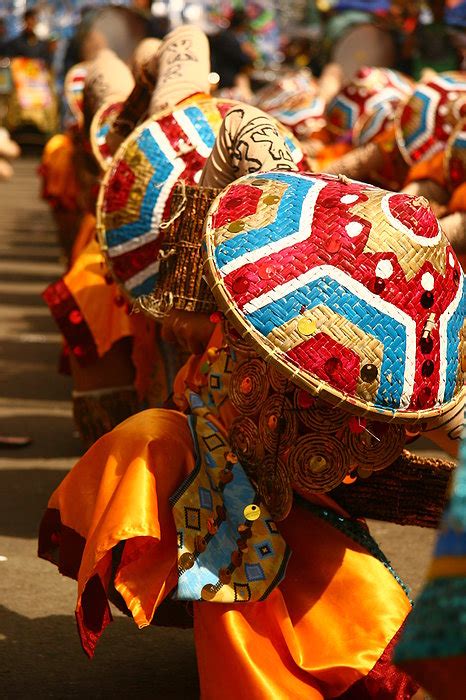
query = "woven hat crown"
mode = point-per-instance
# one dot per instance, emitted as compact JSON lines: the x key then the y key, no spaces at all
{"x":352,"y":291}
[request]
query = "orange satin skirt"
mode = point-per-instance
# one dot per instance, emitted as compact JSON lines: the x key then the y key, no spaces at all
{"x":323,"y":633}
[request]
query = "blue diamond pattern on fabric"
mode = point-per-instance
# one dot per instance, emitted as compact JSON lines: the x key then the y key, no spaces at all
{"x":254,"y":572}
{"x":264,"y":549}
{"x":205,"y":498}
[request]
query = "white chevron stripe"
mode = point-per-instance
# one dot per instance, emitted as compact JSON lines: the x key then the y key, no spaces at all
{"x":304,"y":232}
{"x":142,"y":276}
{"x":399,"y":226}
{"x":434,"y":99}
{"x":154,"y":231}
{"x":192,"y":133}
{"x":166,"y":186}
{"x":359,"y":290}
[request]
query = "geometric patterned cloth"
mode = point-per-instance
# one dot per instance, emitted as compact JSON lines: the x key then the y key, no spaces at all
{"x":225,"y":554}
{"x":352,"y":291}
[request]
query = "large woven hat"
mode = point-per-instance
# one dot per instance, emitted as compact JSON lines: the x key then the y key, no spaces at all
{"x":427,"y":120}
{"x":455,"y":156}
{"x":134,"y":200}
{"x":373,"y":90}
{"x":351,"y":291}
{"x":100,"y":126}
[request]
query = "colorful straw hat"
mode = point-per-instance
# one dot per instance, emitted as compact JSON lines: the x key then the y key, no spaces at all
{"x":455,"y":156}
{"x":373,"y":90}
{"x":134,"y":199}
{"x":351,"y":291}
{"x":100,"y":126}
{"x":74,"y":89}
{"x":427,"y":120}
{"x":381,"y":115}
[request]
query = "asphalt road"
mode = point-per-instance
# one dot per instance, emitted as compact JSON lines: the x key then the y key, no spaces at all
{"x":40,"y":653}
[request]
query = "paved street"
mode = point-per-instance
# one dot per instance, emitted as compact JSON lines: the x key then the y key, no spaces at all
{"x":40,"y":654}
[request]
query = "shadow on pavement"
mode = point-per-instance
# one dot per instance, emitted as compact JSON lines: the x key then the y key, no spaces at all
{"x":51,"y":435}
{"x":25,"y":496}
{"x":150,"y":663}
{"x":30,"y":374}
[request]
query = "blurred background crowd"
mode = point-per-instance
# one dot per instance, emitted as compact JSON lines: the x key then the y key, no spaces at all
{"x":252,"y":41}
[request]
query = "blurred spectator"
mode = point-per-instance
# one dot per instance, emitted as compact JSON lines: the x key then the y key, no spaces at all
{"x":27,"y":43}
{"x":230,"y":57}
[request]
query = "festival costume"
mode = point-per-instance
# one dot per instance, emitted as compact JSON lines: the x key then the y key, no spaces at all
{"x":91,"y":313}
{"x":222,"y":541}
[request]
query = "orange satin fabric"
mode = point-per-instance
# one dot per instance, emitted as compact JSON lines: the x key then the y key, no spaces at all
{"x":329,"y":153}
{"x":458,"y":199}
{"x":100,"y":302}
{"x":58,"y":172}
{"x":120,"y":490}
{"x":322,"y":630}
{"x":431,"y":169}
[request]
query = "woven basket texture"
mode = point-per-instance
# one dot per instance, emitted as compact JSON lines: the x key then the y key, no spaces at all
{"x":412,"y":491}
{"x":180,"y":283}
{"x":135,"y":196}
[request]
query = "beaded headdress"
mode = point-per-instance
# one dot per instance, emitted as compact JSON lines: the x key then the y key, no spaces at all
{"x":344,"y":309}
